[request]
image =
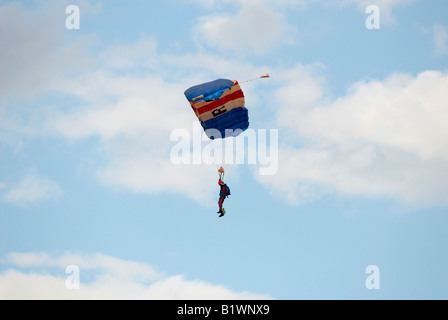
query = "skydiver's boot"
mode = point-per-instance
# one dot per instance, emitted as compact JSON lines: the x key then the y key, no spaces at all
{"x":223,"y":212}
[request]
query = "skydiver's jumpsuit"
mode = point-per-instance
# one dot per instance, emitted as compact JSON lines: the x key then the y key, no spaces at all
{"x":222,"y":193}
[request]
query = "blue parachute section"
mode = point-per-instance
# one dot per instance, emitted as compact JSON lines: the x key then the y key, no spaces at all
{"x":230,"y":124}
{"x":208,"y":91}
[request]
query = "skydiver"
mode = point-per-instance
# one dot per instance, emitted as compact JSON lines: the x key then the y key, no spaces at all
{"x":224,"y":192}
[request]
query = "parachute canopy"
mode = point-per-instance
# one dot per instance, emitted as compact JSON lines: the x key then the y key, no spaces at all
{"x":219,"y":105}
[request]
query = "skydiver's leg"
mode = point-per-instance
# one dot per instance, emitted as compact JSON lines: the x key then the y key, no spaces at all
{"x":222,"y":211}
{"x":220,"y":202}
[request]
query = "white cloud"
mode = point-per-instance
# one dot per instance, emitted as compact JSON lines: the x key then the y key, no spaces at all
{"x":34,"y":54}
{"x":102,"y":277}
{"x":32,"y":189}
{"x":142,"y":55}
{"x":256,"y":28}
{"x":383,"y":139}
{"x":124,"y":106}
{"x":154,"y":174}
{"x":440,"y":39}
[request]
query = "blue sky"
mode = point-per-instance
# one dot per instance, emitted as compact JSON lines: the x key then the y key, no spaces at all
{"x":86,"y":176}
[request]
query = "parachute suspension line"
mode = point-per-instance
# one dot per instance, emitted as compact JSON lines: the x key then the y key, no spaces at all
{"x":215,"y":161}
{"x":214,"y":155}
{"x":261,"y":77}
